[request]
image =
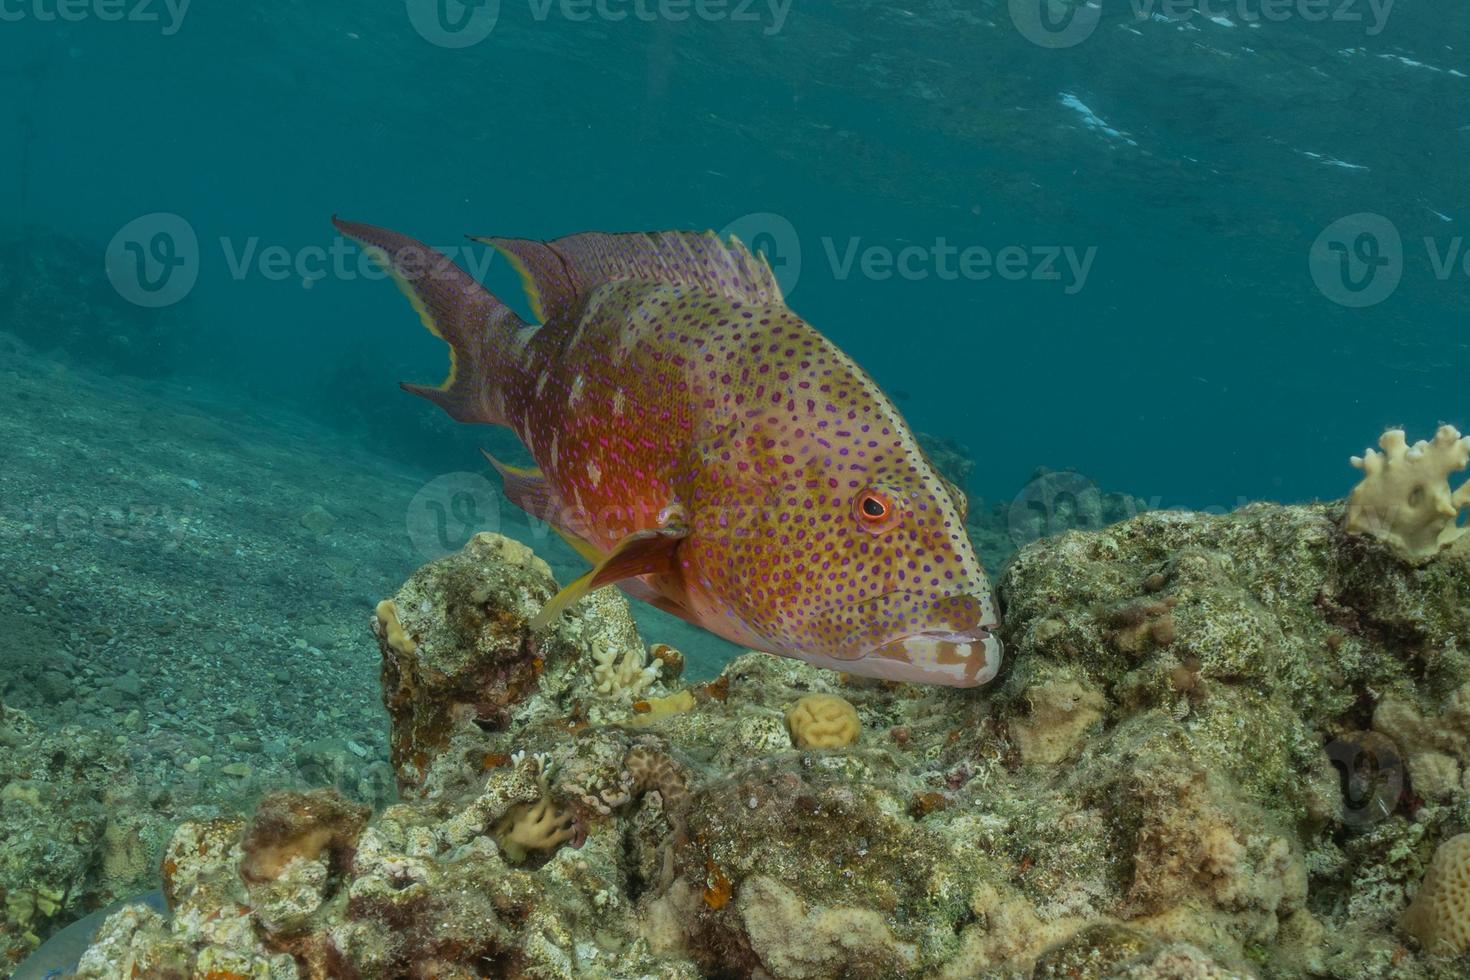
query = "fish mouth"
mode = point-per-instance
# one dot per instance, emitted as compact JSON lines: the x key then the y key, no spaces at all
{"x":955,"y":643}
{"x":964,"y":658}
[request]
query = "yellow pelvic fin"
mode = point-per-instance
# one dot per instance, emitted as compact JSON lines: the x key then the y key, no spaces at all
{"x":640,"y":553}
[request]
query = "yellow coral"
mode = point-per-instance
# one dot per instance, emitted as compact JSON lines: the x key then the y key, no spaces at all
{"x":822,"y":721}
{"x":539,"y":826}
{"x":647,"y":712}
{"x":1439,"y":916}
{"x":393,"y":630}
{"x":1405,"y":495}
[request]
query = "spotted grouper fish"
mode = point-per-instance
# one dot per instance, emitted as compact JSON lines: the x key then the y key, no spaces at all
{"x":708,"y":451}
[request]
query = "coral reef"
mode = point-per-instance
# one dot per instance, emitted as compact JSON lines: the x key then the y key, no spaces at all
{"x":542,"y":825}
{"x":1227,"y":746}
{"x":75,"y":833}
{"x":1405,"y":496}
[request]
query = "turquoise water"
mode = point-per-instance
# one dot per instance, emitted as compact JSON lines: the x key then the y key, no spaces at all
{"x":1194,"y":157}
{"x":1201,"y":253}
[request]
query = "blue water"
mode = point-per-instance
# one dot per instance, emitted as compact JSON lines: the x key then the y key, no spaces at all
{"x":1200,"y":252}
{"x":1196,"y":364}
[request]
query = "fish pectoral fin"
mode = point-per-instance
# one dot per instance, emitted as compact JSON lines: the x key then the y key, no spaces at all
{"x":636,"y":588}
{"x":589,"y":551}
{"x":647,"y":552}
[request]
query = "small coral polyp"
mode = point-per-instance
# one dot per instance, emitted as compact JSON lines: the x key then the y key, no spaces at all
{"x":823,"y":721}
{"x":1405,"y":496}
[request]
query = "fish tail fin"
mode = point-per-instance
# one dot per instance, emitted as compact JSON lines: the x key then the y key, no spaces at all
{"x":456,"y":309}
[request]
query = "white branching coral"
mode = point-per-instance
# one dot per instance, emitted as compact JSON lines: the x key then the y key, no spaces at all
{"x":629,"y":673}
{"x":1405,"y":496}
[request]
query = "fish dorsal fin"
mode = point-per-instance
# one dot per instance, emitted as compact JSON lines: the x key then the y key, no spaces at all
{"x":649,"y":552}
{"x":543,"y":274}
{"x":559,"y":274}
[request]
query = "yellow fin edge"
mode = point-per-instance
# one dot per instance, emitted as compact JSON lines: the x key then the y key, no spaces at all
{"x":379,"y":256}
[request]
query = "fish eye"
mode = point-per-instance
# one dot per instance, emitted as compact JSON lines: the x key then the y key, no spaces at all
{"x":874,"y":509}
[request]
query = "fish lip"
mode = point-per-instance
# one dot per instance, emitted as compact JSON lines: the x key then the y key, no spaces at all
{"x":982,"y":633}
{"x":900,"y":643}
{"x":976,"y":659}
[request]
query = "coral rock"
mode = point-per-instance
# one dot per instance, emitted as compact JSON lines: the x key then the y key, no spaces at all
{"x":1061,"y":714}
{"x":458,"y":650}
{"x":795,"y":941}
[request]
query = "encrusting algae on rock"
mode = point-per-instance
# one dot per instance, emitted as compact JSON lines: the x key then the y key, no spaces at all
{"x":1227,"y":746}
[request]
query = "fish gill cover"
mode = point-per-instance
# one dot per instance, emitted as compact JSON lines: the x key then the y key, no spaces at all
{"x":1138,"y":279}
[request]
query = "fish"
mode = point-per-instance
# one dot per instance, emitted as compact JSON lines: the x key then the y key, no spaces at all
{"x":707,"y":450}
{"x":61,"y":954}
